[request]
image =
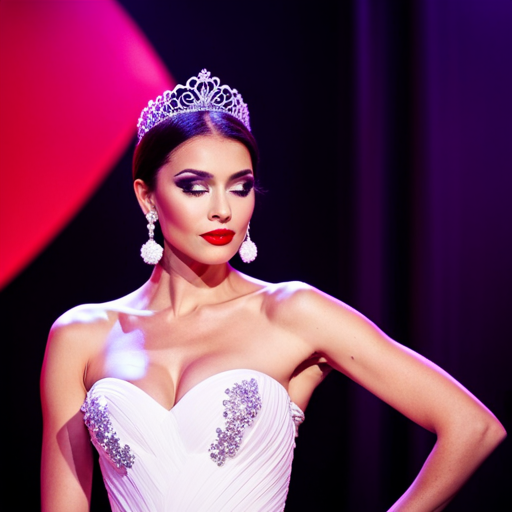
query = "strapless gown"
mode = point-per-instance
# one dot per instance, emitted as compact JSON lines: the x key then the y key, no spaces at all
{"x":227,"y":445}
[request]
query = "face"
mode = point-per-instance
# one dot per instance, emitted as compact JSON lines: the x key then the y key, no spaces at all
{"x":204,"y":197}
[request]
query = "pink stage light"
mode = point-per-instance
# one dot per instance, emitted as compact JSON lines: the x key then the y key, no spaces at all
{"x":75,"y":76}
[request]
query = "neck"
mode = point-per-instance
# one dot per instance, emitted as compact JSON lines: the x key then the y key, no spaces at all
{"x":182,"y":286}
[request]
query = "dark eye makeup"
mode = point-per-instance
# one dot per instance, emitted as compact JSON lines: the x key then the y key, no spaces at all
{"x":243,"y":188}
{"x":193,"y":186}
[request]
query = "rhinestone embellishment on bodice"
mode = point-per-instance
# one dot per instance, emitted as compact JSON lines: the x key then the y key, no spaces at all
{"x":240,"y":410}
{"x":97,"y":420}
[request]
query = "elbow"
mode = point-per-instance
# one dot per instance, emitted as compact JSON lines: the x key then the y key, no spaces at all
{"x":489,"y":433}
{"x":497,"y":432}
{"x":479,"y":433}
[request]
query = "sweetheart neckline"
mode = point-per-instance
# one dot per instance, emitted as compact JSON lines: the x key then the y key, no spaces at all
{"x":200,"y":383}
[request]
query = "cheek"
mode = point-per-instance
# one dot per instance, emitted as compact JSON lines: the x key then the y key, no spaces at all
{"x":245,"y":208}
{"x":249,"y":211}
{"x":176,"y":211}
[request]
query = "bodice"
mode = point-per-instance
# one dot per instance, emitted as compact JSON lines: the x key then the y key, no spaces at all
{"x":227,"y":445}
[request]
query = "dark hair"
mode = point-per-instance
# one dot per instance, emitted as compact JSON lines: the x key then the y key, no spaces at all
{"x":154,"y":149}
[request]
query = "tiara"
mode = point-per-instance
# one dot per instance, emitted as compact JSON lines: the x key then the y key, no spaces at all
{"x":199,"y":94}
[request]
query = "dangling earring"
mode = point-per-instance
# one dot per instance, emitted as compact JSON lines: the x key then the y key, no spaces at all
{"x":151,"y":252}
{"x":248,"y":250}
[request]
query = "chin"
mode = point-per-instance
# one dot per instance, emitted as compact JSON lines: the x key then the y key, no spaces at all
{"x":214,"y":257}
{"x":220,"y":260}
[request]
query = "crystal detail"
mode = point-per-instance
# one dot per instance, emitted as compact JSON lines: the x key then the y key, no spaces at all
{"x":151,"y":252}
{"x":97,"y":420}
{"x":152,"y":217}
{"x":201,"y":93}
{"x":240,"y":410}
{"x":248,"y":251}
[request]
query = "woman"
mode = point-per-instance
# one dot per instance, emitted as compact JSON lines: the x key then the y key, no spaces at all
{"x":192,"y":387}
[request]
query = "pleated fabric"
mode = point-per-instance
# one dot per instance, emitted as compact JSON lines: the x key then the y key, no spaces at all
{"x":172,"y":468}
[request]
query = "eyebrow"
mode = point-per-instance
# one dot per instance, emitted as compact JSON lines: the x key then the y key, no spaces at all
{"x":207,"y":175}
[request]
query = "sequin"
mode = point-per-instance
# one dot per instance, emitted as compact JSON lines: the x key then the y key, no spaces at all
{"x":240,"y":410}
{"x":97,"y":420}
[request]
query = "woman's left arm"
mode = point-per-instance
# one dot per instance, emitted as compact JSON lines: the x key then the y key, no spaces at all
{"x":467,"y":432}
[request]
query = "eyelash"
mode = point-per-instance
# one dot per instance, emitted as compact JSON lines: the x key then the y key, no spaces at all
{"x":247,"y":186}
{"x":195,"y":193}
{"x":188,"y":186}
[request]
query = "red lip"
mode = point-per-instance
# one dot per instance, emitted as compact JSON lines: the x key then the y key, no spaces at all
{"x":219,"y":236}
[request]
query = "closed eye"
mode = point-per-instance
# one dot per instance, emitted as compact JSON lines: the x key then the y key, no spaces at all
{"x":242,"y":188}
{"x":192,"y":187}
{"x":195,"y":186}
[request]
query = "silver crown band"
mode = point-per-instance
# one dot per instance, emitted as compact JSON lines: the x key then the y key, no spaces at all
{"x":201,"y":93}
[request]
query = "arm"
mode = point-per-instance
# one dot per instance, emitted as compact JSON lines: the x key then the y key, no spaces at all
{"x":467,"y":432}
{"x":66,"y":463}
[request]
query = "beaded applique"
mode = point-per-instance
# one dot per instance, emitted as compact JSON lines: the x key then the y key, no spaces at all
{"x":98,"y":422}
{"x":240,"y":409}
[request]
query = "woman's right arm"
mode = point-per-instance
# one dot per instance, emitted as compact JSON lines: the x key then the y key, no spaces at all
{"x":66,"y":463}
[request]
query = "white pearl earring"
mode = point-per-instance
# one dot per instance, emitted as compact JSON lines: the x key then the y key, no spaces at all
{"x":151,"y":252}
{"x":248,"y":250}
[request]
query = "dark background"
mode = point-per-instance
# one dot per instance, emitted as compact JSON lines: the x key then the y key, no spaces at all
{"x":386,"y":138}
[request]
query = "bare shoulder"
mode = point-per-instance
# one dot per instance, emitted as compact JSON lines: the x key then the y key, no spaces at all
{"x":287,"y":296}
{"x":89,"y":320}
{"x":80,"y":332}
{"x":300,"y":309}
{"x":79,"y":323}
{"x":326,"y":325}
{"x":298,"y":303}
{"x":80,"y":317}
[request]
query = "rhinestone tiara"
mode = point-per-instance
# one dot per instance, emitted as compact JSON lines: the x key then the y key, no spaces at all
{"x":199,"y":94}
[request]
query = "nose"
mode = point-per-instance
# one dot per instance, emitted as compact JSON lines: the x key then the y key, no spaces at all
{"x":220,"y":209}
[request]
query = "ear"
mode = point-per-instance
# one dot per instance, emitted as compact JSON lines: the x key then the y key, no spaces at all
{"x":144,"y":196}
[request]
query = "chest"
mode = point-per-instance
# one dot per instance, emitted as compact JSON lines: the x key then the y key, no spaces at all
{"x":181,"y":351}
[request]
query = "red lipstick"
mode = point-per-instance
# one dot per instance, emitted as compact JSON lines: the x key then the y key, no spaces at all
{"x":219,"y":236}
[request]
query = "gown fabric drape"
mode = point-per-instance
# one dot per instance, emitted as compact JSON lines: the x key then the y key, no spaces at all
{"x":154,"y":459}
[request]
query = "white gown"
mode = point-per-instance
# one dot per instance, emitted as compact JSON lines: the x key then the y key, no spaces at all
{"x":227,"y":445}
